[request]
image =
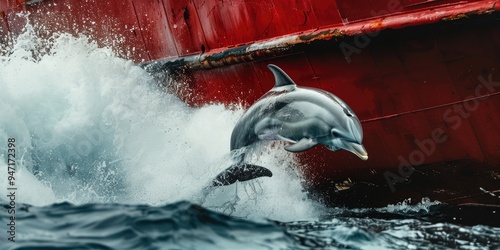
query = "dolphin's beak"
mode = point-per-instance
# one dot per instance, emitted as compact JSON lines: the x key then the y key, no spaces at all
{"x":356,"y":149}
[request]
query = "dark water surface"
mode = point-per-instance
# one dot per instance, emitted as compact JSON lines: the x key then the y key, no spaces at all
{"x":184,"y":225}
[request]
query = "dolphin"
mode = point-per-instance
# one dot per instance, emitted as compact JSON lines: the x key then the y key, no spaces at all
{"x":304,"y":117}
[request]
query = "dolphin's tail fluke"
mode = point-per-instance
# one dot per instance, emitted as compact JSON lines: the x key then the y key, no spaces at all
{"x":240,"y":172}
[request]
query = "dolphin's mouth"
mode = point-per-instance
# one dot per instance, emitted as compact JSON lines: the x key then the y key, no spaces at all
{"x":356,"y":149}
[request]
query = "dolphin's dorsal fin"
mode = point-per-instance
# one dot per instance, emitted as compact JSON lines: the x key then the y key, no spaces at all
{"x":280,"y":77}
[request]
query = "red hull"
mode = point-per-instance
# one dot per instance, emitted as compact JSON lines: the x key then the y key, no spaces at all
{"x":426,"y":87}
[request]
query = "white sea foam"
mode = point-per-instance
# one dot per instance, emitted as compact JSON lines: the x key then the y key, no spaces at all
{"x":92,"y":127}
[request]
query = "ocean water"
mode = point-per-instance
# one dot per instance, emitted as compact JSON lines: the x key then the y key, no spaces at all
{"x":106,"y":159}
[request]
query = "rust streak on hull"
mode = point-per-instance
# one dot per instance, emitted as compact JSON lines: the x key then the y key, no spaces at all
{"x":278,"y":46}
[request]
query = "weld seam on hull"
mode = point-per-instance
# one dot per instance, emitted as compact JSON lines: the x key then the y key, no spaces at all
{"x":385,"y":117}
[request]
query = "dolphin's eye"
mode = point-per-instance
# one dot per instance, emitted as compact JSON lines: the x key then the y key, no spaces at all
{"x":347,"y":112}
{"x":335,"y":133}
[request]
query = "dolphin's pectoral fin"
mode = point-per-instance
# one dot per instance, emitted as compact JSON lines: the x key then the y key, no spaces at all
{"x":281,"y":138}
{"x":241,"y":172}
{"x":303,"y":145}
{"x":268,"y":134}
{"x":272,"y":134}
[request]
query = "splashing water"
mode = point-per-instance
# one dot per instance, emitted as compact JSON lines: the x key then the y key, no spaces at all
{"x":92,"y":127}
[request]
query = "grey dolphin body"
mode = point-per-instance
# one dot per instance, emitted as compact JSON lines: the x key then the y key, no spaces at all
{"x":305,"y":117}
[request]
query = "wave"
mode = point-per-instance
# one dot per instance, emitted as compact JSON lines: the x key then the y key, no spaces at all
{"x":184,"y":225}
